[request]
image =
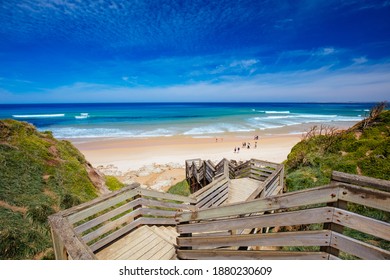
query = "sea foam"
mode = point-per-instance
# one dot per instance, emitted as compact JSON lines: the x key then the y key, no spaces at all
{"x":39,"y":116}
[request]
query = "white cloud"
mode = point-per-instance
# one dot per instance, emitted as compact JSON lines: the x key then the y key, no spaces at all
{"x":357,"y":83}
{"x":326,"y":51}
{"x":246,"y":63}
{"x":360,"y":60}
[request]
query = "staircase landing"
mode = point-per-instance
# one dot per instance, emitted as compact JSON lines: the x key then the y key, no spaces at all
{"x":241,"y":189}
{"x":144,"y":243}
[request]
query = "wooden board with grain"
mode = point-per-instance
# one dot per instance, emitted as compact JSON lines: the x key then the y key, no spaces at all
{"x":143,"y":243}
{"x":249,"y":255}
{"x":305,"y":238}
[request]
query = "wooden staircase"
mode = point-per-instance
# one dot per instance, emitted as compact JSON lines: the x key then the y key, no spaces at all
{"x":238,"y":215}
{"x":144,"y":243}
{"x":284,"y":221}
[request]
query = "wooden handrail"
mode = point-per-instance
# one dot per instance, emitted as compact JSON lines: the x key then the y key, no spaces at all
{"x":205,"y":234}
{"x":361,"y":180}
{"x":79,"y":231}
{"x":66,"y":242}
{"x":307,"y":216}
{"x":317,"y":195}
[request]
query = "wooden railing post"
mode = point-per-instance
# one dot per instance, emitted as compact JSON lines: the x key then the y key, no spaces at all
{"x":226,"y":169}
{"x":184,"y":235}
{"x":281,"y":179}
{"x":137,"y":207}
{"x":58,"y":245}
{"x":334,"y":227}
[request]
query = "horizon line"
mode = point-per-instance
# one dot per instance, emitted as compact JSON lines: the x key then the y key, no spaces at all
{"x":197,"y":102}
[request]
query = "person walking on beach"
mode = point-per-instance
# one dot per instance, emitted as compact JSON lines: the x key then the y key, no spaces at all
{"x":234,"y":149}
{"x":238,"y":150}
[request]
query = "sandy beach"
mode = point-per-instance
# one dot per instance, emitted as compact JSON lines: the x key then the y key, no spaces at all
{"x":159,"y":162}
{"x":132,"y":154}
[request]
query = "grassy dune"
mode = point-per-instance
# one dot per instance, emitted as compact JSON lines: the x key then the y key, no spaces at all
{"x":364,"y":149}
{"x":39,"y":176}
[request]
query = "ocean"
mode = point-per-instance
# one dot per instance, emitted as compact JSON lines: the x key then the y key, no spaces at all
{"x":144,"y":120}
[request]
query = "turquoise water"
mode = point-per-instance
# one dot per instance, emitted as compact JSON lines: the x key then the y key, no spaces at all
{"x":169,"y":119}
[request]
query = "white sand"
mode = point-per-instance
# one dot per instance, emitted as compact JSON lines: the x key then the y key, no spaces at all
{"x":132,"y":154}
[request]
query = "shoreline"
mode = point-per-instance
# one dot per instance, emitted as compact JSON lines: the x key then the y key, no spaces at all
{"x":130,"y":154}
{"x":133,"y":153}
{"x":159,"y":162}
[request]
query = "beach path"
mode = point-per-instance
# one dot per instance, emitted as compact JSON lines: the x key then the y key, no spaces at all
{"x":144,"y":243}
{"x":241,"y":189}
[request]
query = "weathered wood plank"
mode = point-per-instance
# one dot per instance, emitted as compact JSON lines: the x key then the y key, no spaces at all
{"x":210,"y":165}
{"x":218,"y":200}
{"x":213,"y":198}
{"x":361,"y":223}
{"x":267,"y":182}
{"x":242,"y":165}
{"x":58,"y":246}
{"x":168,"y":235}
{"x":365,"y":196}
{"x":162,"y":252}
{"x":157,"y":203}
{"x":249,"y":255}
{"x":111,"y":225}
{"x":168,"y":196}
{"x":304,"y":238}
{"x":262,"y":169}
{"x":115,"y":235}
{"x":84,"y":210}
{"x":205,"y":197}
{"x":146,"y":239}
{"x":170,"y":255}
{"x":301,"y":217}
{"x":322,"y":194}
{"x":160,"y":244}
{"x":264,"y":163}
{"x":75,"y":247}
{"x":124,"y":244}
{"x":214,"y":233}
{"x":241,"y":189}
{"x":274,"y":191}
{"x":157,"y":221}
{"x":359,"y":180}
{"x":259,"y":173}
{"x":157,"y":212}
{"x":100,"y":219}
{"x":358,"y":248}
{"x":334,"y":227}
{"x":149,"y":249}
{"x":257,"y":177}
{"x":204,"y":192}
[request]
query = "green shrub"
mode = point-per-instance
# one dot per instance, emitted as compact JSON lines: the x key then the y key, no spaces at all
{"x":181,"y":188}
{"x":113,"y":183}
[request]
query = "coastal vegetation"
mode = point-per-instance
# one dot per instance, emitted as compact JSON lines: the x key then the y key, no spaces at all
{"x":180,"y":188}
{"x":39,"y":176}
{"x":113,"y":184}
{"x":363,"y":149}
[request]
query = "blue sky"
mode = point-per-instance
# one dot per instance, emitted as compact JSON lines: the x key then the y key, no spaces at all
{"x":139,"y":51}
